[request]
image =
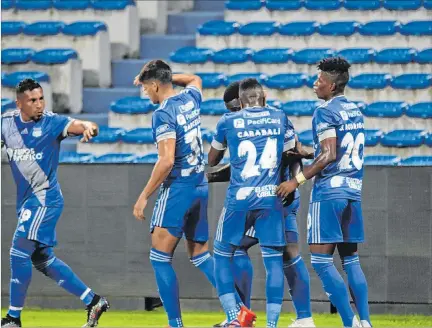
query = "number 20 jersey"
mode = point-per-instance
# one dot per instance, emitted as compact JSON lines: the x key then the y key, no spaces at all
{"x":341,"y":179}
{"x":256,"y":138}
{"x":178,"y":117}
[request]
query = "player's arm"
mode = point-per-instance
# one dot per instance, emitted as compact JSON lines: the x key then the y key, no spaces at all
{"x":219,"y":143}
{"x":223,"y":174}
{"x":187,"y":80}
{"x":85,"y":128}
{"x":215,"y":156}
{"x":162,"y":168}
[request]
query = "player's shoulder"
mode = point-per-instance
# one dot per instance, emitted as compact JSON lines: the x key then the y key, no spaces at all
{"x":10,"y":114}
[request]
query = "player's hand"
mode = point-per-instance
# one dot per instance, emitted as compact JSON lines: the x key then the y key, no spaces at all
{"x":139,"y":207}
{"x":90,"y":132}
{"x":286,"y":188}
{"x":136,"y":81}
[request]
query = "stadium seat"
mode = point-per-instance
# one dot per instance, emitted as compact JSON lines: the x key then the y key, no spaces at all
{"x":207,"y":137}
{"x":299,"y":28}
{"x":323,"y":5}
{"x":424,"y":57}
{"x":300,"y":107}
{"x":284,"y":4}
{"x":417,"y":161}
{"x":295,"y":34}
{"x":75,"y":158}
{"x":311,"y":80}
{"x":272,"y":56}
{"x":244,"y":4}
{"x":259,"y":29}
{"x":150,"y":158}
{"x":403,"y":138}
{"x":218,"y":27}
{"x":45,"y":28}
{"x":306,"y":138}
{"x":13,"y":56}
{"x":379,"y":28}
{"x":362,"y":4}
{"x":131,"y":113}
{"x":386,"y":109}
{"x":307,"y":59}
{"x":274,"y":103}
{"x":370,"y":81}
{"x":10,"y":81}
{"x":71,"y":5}
{"x":31,"y":11}
{"x":427,"y":4}
{"x":191,"y":55}
{"x":428,"y":139}
{"x":412,"y":81}
{"x":395,"y":56}
{"x":346,"y":28}
{"x":358,"y":55}
{"x":12,"y":34}
{"x":138,"y":141}
{"x":213,"y":107}
{"x":286,"y":81}
{"x":7,"y":105}
{"x":114,"y":158}
{"x":422,"y":28}
{"x":212,"y":84}
{"x":232,"y":56}
{"x":372,"y":137}
{"x":420,"y":110}
{"x":381,"y":160}
{"x":107,"y":141}
{"x":238,"y":77}
{"x":402,"y":4}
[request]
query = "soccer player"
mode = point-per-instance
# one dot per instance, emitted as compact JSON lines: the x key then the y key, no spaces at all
{"x":256,"y":138}
{"x":181,"y":207}
{"x":295,"y":269}
{"x":335,"y":216}
{"x":32,"y":139}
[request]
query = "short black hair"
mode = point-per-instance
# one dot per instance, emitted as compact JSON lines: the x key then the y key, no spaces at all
{"x":231,"y":92}
{"x":156,"y":70}
{"x":251,"y":91}
{"x":27,"y":85}
{"x":337,"y":69}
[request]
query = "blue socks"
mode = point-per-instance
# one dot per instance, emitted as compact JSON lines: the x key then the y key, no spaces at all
{"x":358,"y":285}
{"x":168,"y":287}
{"x":243,"y":274}
{"x":205,"y":263}
{"x":273,"y":263}
{"x":334,"y":286}
{"x":298,"y":280}
{"x":21,"y":273}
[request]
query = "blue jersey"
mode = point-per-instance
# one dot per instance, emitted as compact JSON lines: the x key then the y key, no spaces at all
{"x":256,"y":138}
{"x":343,"y":178}
{"x":33,"y":152}
{"x":178,"y":117}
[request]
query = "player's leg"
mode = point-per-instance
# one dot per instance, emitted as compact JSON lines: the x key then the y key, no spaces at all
{"x":324,"y":232}
{"x":352,"y":229}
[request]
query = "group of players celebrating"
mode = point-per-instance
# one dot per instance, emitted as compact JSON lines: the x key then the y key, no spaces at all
{"x":264,"y":172}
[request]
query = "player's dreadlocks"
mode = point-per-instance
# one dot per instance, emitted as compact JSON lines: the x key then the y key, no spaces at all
{"x":336,"y":68}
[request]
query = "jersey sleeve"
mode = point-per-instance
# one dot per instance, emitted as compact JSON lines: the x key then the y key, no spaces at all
{"x":195,"y":93}
{"x":326,"y":123}
{"x":60,"y":124}
{"x":219,"y":140}
{"x":289,"y":138}
{"x":164,"y":126}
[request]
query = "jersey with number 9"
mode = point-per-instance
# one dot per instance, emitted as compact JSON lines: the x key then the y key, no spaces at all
{"x":178,"y":117}
{"x":256,"y":138}
{"x":341,"y":179}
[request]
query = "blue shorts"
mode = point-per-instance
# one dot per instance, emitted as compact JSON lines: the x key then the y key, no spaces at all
{"x":182,"y":211}
{"x":267,"y":226}
{"x":335,"y":221}
{"x":38,"y":223}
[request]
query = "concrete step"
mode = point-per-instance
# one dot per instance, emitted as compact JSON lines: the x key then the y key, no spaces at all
{"x":161,"y":46}
{"x":187,"y":22}
{"x":98,"y":100}
{"x":99,"y":118}
{"x":209,"y":5}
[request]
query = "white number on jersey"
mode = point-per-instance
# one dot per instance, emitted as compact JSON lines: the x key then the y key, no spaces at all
{"x":193,"y":138}
{"x":268,"y":158}
{"x":352,"y":153}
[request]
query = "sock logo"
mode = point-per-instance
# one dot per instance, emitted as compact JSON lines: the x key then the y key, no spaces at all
{"x":15,"y":281}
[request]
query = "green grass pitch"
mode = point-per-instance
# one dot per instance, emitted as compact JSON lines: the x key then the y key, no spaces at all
{"x":157,"y":318}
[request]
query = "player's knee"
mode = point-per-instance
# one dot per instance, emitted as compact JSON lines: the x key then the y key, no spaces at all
{"x":223,"y":249}
{"x":42,"y":258}
{"x":291,"y":252}
{"x":19,"y":257}
{"x":271,"y":252}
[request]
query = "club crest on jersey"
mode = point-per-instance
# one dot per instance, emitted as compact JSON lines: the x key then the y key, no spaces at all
{"x":37,"y":132}
{"x":25,"y":215}
{"x":239,"y":123}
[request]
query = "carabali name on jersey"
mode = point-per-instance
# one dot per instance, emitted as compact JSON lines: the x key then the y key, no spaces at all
{"x":259,"y":133}
{"x":23,"y":154}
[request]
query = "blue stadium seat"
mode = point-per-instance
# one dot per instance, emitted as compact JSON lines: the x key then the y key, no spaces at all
{"x":323,"y":4}
{"x":428,"y":139}
{"x":108,"y":135}
{"x":75,"y":158}
{"x":111,"y":4}
{"x":284,"y":4}
{"x":218,"y":27}
{"x":412,"y":81}
{"x":232,"y":55}
{"x":207,"y":135}
{"x":286,"y":81}
{"x":274,"y":103}
{"x":32,"y":5}
{"x":259,"y":28}
{"x":272,"y":56}
{"x":299,"y":28}
{"x":312,"y":56}
{"x":300,"y":107}
{"x":381,"y":160}
{"x":71,"y":4}
{"x":133,"y":105}
{"x":84,"y":28}
{"x":138,"y":136}
{"x":114,"y":158}
{"x":386,"y":109}
{"x":44,"y":28}
{"x":346,"y":28}
{"x":358,"y":55}
{"x":244,"y":4}
{"x":362,"y":4}
{"x":370,"y":81}
{"x":360,"y":105}
{"x":417,"y":161}
{"x":7,"y":4}
{"x":395,"y":56}
{"x":212,"y":80}
{"x":237,"y":77}
{"x":191,"y":55}
{"x":16,"y":55}
{"x":11,"y":80}
{"x":306,"y":138}
{"x":424,"y":57}
{"x":150,"y":158}
{"x":7,"y":104}
{"x":420,"y":110}
{"x":311,"y":80}
{"x":54,"y":56}
{"x":372,"y":137}
{"x":427,"y":4}
{"x":213,"y":107}
{"x":403,"y":138}
{"x":379,"y":28}
{"x":419,"y":28}
{"x":402,"y":4}
{"x":12,"y":27}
